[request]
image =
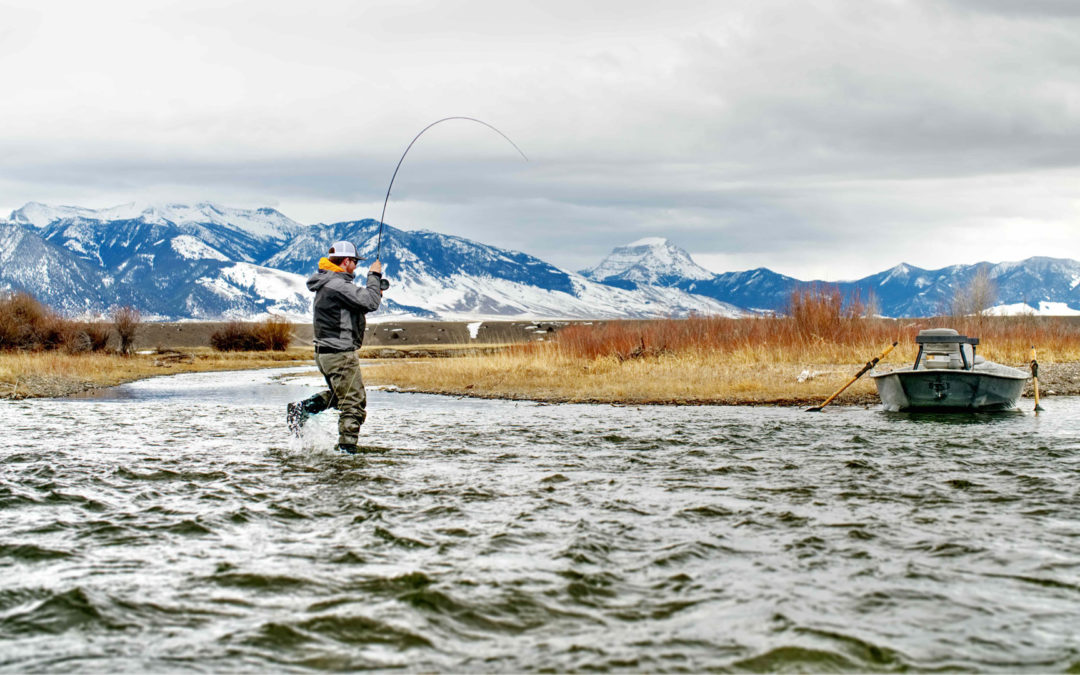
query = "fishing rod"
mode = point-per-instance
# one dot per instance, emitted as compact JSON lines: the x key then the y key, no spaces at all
{"x":383,"y":283}
{"x":382,"y":218}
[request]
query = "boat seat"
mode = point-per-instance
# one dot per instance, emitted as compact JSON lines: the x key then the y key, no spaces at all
{"x":946,"y":348}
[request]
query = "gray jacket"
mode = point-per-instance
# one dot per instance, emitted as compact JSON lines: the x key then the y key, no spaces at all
{"x":340,"y":306}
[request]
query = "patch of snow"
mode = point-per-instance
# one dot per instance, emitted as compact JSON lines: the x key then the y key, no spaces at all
{"x":1045,"y":309}
{"x":474,"y":329}
{"x":898,"y":272}
{"x":187,"y":246}
{"x":267,"y":283}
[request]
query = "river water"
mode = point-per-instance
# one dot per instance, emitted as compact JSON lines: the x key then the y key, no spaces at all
{"x":173,"y":525}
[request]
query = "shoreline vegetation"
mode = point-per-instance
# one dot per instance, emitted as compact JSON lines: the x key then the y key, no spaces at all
{"x":696,"y":361}
{"x":715,"y":361}
{"x":796,"y":359}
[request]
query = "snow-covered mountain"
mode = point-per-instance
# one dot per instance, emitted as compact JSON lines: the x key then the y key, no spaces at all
{"x":29,"y":262}
{"x":205,"y":261}
{"x":109,"y":235}
{"x":1037,"y":286}
{"x":262,"y":223}
{"x":175,"y":261}
{"x":450,"y":277}
{"x":653,"y":261}
{"x":170,"y":261}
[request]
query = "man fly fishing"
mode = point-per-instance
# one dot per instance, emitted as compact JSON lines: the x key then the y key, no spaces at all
{"x":340,"y":307}
{"x":339,"y":322}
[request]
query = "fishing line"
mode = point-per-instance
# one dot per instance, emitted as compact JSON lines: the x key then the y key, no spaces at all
{"x":378,"y":254}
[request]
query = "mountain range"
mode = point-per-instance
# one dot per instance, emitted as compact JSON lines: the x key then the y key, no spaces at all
{"x":203,"y":261}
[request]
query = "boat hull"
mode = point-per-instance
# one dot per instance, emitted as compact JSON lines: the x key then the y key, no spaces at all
{"x":940,"y":390}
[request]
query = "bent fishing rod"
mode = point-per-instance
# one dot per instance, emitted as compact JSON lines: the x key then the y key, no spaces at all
{"x":383,"y":283}
{"x":378,"y":253}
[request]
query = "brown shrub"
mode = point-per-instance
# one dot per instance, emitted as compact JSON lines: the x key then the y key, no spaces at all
{"x":89,"y":337}
{"x":272,"y":334}
{"x":819,"y":338}
{"x":236,"y":336}
{"x":26,"y":324}
{"x":275,"y":333}
{"x":19,"y":314}
{"x":126,"y":322}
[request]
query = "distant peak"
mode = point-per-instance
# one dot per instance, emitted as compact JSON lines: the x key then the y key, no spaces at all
{"x":652,"y":260}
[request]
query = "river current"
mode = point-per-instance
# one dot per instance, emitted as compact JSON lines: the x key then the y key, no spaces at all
{"x":174,"y":525}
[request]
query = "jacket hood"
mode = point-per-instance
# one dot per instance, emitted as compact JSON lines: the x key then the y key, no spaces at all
{"x":326,"y":272}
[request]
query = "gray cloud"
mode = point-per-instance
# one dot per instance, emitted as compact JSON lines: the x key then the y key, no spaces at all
{"x":837,"y":138}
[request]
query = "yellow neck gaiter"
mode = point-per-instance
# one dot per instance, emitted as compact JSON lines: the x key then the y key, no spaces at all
{"x":325,"y":264}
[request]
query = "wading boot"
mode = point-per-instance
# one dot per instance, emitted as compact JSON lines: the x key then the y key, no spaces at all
{"x":297,"y":414}
{"x":348,"y":448}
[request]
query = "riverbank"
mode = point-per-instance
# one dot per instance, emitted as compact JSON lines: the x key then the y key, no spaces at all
{"x":741,"y":378}
{"x":51,"y":374}
{"x":195,"y":334}
{"x":496,"y":372}
{"x":56,"y":374}
{"x":698,"y":361}
{"x":792,"y":360}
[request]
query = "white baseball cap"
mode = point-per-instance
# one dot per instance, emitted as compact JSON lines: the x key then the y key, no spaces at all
{"x":344,"y":249}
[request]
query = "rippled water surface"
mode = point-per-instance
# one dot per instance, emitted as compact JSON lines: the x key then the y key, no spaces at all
{"x":173,"y":525}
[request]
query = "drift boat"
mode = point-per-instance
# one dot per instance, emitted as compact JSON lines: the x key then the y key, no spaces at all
{"x":948,"y":376}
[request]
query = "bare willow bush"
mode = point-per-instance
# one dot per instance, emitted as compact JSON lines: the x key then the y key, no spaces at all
{"x":126,"y":322}
{"x":19,"y":314}
{"x":28,"y":325}
{"x":276,"y":333}
{"x":818,"y":315}
{"x":272,"y":334}
{"x":976,"y":297}
{"x":90,"y":337}
{"x":236,"y":336}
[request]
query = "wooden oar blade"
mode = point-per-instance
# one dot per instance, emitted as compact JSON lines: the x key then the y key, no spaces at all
{"x":869,"y":365}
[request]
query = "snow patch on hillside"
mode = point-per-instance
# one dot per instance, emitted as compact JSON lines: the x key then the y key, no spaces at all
{"x":187,"y":246}
{"x":1022,"y":309}
{"x":268,"y":283}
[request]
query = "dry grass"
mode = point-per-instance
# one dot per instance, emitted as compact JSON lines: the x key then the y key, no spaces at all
{"x":715,"y":360}
{"x":546,"y":375}
{"x":55,"y":373}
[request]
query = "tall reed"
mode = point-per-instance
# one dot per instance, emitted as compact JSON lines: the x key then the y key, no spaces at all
{"x":819,"y":329}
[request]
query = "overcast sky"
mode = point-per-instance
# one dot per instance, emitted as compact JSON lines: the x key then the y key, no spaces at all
{"x":821,"y":139}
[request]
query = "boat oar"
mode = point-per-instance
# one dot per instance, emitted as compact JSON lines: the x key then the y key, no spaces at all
{"x":1035,"y":378}
{"x":869,"y":364}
